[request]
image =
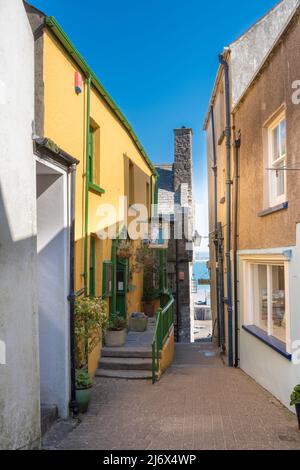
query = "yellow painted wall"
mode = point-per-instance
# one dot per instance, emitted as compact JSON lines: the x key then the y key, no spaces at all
{"x":167,"y":355}
{"x":65,"y":124}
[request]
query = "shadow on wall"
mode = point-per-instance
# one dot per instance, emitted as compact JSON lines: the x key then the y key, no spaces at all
{"x":19,"y":377}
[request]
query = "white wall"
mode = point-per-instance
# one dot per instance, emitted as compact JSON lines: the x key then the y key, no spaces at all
{"x":271,"y":370}
{"x":19,"y":378}
{"x":53,"y":306}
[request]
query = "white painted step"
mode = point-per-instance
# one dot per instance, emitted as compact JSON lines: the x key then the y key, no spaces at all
{"x":124,"y":374}
{"x":132,"y":352}
{"x":125,"y":363}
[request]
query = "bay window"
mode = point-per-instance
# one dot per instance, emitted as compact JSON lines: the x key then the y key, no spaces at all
{"x":266,"y":299}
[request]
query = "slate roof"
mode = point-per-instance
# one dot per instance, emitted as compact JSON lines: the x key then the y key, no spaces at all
{"x":166,"y":194}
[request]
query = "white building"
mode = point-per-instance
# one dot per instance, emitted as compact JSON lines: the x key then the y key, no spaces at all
{"x":19,"y":376}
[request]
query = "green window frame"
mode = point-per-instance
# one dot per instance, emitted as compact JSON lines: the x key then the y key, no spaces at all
{"x":92,"y":266}
{"x":107,"y":280}
{"x":91,"y":156}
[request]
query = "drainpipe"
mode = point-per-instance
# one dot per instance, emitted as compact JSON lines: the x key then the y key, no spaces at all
{"x":237,"y":144}
{"x":177,"y":289}
{"x":215,"y":171}
{"x":229,"y":197}
{"x":73,"y":402}
{"x":87,"y":179}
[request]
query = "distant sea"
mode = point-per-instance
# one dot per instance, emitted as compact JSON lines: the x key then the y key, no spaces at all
{"x":200,"y":270}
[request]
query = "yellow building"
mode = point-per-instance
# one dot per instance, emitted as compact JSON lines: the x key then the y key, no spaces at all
{"x":74,"y":111}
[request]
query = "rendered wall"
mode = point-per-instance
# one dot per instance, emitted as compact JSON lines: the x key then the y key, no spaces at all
{"x":19,"y":378}
{"x":65,"y":123}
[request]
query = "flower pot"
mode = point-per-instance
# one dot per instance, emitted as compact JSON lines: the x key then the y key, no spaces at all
{"x":115,"y":339}
{"x":83,"y":398}
{"x":149,"y":309}
{"x":298,"y":413}
{"x":138,"y":322}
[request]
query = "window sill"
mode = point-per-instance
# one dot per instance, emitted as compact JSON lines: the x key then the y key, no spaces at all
{"x":270,"y":341}
{"x":272,"y":210}
{"x":96,"y":189}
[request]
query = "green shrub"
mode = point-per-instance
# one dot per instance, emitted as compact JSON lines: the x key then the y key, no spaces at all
{"x":83,"y":380}
{"x":295,"y":397}
{"x":90,"y":321}
{"x":117,"y":323}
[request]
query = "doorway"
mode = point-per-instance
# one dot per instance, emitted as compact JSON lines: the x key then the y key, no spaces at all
{"x":122,"y":287}
{"x":53,"y":285}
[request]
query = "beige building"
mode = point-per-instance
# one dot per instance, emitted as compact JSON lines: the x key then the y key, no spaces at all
{"x":253,"y":161}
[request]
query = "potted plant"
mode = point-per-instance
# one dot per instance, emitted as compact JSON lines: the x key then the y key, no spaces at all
{"x":90,"y":321}
{"x":138,"y":322}
{"x":84,"y":385}
{"x":116,"y":332}
{"x":148,"y":298}
{"x":124,"y":250}
{"x":295,"y":401}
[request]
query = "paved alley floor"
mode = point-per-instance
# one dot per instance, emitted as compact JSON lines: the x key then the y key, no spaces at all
{"x":198,"y":404}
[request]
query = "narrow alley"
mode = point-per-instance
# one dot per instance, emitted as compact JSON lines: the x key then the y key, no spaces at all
{"x":198,"y":404}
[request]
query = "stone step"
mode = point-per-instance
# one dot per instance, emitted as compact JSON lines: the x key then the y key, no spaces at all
{"x":49,"y":415}
{"x":125,"y":363}
{"x":124,"y":374}
{"x":134,"y":352}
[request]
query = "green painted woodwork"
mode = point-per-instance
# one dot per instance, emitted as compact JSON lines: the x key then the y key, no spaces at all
{"x":92,"y":266}
{"x":107,"y":279}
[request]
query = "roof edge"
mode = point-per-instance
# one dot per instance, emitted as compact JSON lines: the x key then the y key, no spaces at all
{"x":226,"y":54}
{"x":59,"y":33}
{"x":278,"y":40}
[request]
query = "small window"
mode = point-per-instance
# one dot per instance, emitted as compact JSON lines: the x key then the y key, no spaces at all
{"x":91,"y":154}
{"x":266,"y":292}
{"x":277,"y":161}
{"x":131,"y":184}
{"x":94,"y":154}
{"x":148,"y":198}
{"x":107,"y":279}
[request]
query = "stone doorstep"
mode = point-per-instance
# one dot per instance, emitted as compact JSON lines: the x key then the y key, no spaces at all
{"x":125,"y":363}
{"x":124,"y":374}
{"x":49,"y":415}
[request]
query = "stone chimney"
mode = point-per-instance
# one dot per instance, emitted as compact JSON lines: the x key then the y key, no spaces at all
{"x":183,"y":165}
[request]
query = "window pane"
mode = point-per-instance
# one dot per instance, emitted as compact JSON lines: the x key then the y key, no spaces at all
{"x":278,"y":303}
{"x":276,"y":143}
{"x":260,"y":282}
{"x":280,"y":181}
{"x":283,"y":138}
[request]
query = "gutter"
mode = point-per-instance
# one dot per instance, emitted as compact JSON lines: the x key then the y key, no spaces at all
{"x":226,"y":54}
{"x":59,"y":33}
{"x":225,"y":66}
{"x":87,"y":179}
{"x":215,"y":172}
{"x":237,"y":144}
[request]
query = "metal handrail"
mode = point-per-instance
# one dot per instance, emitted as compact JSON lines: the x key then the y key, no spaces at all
{"x":164,"y":322}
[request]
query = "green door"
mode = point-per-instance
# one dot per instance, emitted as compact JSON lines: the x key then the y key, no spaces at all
{"x":122,"y":284}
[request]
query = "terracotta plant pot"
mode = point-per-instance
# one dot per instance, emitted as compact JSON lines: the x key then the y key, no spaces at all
{"x":115,"y":339}
{"x":83,"y":398}
{"x":138,"y":322}
{"x":149,"y":309}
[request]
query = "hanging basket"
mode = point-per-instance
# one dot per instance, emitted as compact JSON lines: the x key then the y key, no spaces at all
{"x":124,"y":251}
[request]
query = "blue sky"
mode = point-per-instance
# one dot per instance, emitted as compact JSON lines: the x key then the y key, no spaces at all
{"x":158,"y":59}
